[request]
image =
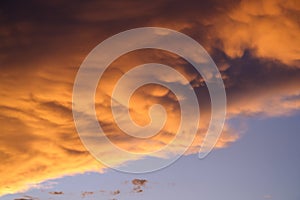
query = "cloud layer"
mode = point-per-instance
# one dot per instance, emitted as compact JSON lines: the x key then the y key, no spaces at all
{"x":255,"y":44}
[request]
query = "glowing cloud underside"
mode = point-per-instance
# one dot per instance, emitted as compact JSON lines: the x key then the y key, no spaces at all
{"x":38,"y":140}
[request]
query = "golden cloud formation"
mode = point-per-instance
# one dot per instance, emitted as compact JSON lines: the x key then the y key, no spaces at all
{"x":255,"y":44}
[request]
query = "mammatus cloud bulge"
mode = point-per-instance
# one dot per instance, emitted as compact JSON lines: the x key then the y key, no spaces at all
{"x":256,"y":46}
{"x":269,"y":27}
{"x":38,"y":129}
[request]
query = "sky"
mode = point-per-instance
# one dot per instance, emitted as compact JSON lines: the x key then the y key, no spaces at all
{"x":254,"y":44}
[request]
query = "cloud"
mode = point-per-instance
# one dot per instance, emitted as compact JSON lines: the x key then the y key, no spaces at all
{"x":270,"y":28}
{"x":27,"y":198}
{"x":255,"y":45}
{"x":56,"y":193}
{"x":23,"y":199}
{"x":138,"y":185}
{"x":116,"y":192}
{"x":139,"y":182}
{"x":87,"y":193}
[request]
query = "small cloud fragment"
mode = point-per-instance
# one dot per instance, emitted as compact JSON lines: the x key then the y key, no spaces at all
{"x":116,"y":192}
{"x":84,"y":194}
{"x":56,"y":193}
{"x":22,"y":199}
{"x":138,"y":185}
{"x":27,"y":198}
{"x":139,"y":182}
{"x":138,"y":189}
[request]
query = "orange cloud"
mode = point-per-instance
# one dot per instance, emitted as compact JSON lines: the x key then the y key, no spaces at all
{"x":255,"y":44}
{"x":39,"y":140}
{"x":269,"y":27}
